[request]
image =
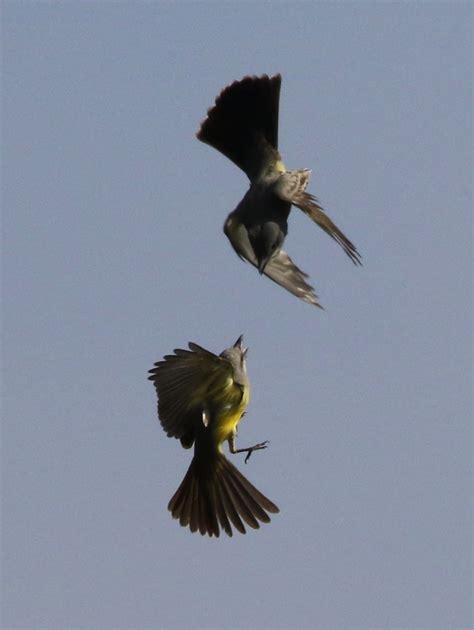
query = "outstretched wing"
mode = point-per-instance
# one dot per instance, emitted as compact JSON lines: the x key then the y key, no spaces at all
{"x":291,"y":186}
{"x":243,"y":124}
{"x":280,"y":268}
{"x":182,"y":380}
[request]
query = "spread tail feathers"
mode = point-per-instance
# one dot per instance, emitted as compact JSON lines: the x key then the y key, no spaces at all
{"x":214,"y":495}
{"x":243,"y":124}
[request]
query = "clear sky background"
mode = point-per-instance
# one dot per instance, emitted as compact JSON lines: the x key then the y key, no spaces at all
{"x":114,"y":255}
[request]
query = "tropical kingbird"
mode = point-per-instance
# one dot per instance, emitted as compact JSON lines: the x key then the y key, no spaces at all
{"x":243,"y":125}
{"x":201,"y":400}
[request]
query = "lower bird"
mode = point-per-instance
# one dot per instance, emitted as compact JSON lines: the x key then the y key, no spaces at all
{"x":201,"y":399}
{"x":243,"y":125}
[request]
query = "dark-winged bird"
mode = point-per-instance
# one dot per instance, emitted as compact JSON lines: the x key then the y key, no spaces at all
{"x":201,"y":400}
{"x":243,"y":125}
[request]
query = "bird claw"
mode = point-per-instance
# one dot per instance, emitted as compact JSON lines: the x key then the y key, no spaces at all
{"x":257,"y":447}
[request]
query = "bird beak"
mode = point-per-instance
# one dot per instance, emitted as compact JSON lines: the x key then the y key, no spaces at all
{"x":240,"y":345}
{"x":262,"y":264}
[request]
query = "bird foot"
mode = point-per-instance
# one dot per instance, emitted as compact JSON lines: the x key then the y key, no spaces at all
{"x":251,"y":449}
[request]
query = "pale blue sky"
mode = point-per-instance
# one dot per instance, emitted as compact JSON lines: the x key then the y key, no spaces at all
{"x":114,"y":255}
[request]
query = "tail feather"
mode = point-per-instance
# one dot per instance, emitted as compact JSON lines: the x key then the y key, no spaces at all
{"x":194,"y":512}
{"x":176,"y":502}
{"x":186,"y":503}
{"x":243,"y":124}
{"x":230,"y":507}
{"x":255,"y":494}
{"x":183,"y":502}
{"x":240,"y":503}
{"x":256,"y":508}
{"x":222,"y":514}
{"x":215,"y":496}
{"x":208,"y":498}
{"x":204,"y":522}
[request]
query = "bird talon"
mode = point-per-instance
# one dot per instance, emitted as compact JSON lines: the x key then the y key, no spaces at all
{"x":257,"y":447}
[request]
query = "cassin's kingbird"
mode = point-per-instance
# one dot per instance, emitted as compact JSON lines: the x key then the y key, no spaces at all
{"x":243,"y":125}
{"x":201,"y":399}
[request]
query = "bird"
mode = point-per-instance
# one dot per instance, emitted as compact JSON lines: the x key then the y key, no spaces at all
{"x":243,"y":126}
{"x":201,"y":399}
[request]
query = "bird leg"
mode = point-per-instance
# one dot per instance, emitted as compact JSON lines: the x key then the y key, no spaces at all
{"x":249,"y":450}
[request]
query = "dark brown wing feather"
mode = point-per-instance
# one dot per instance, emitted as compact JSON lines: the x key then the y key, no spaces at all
{"x":178,"y":379}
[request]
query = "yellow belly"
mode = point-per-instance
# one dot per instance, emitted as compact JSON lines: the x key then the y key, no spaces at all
{"x":229,"y":417}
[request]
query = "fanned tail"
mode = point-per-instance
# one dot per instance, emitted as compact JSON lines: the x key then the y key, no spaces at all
{"x":243,"y":124}
{"x":214,"y":495}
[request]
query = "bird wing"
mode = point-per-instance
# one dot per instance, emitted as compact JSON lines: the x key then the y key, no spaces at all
{"x":280,"y":268}
{"x":243,"y":123}
{"x":291,"y":186}
{"x":182,"y":381}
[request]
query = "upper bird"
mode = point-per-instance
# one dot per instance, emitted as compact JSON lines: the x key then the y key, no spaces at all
{"x":243,"y":125}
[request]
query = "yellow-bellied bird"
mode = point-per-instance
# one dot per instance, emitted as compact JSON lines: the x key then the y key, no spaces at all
{"x":243,"y":125}
{"x":201,"y":400}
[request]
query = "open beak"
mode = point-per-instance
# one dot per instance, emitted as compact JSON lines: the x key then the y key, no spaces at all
{"x":240,"y":345}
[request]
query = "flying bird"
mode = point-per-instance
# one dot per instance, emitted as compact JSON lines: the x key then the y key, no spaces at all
{"x":243,"y":125}
{"x":201,"y":399}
